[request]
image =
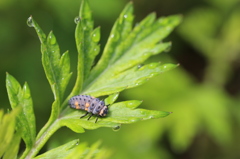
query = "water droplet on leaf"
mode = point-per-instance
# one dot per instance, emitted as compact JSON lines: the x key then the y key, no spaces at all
{"x":96,"y":50}
{"x":30,"y":22}
{"x":115,"y":36}
{"x":96,"y":35}
{"x":116,"y":128}
{"x":154,"y":74}
{"x":140,"y":66}
{"x":128,"y":17}
{"x":77,"y":20}
{"x":52,"y":39}
{"x":129,"y":104}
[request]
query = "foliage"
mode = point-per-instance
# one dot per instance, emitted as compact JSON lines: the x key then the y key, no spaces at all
{"x":117,"y":70}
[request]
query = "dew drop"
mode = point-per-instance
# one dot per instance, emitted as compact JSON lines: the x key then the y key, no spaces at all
{"x":128,"y":17}
{"x":77,"y":19}
{"x":129,"y":104}
{"x":52,"y":39}
{"x":153,"y":74}
{"x":116,"y":128}
{"x":96,"y":50}
{"x":30,"y":22}
{"x":115,"y":36}
{"x":140,"y":66}
{"x":27,"y":95}
{"x":96,"y":35}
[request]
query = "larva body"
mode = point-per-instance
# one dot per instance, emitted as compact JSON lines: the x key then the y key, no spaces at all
{"x":90,"y":104}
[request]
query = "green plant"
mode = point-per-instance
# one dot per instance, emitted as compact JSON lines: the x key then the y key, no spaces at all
{"x":118,"y":69}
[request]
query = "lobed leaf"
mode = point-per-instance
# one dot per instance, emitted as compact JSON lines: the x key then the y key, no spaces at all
{"x":124,"y":112}
{"x":127,"y":48}
{"x":119,"y":113}
{"x":127,"y":79}
{"x":56,"y":66}
{"x":21,"y":97}
{"x":111,"y":98}
{"x":87,"y":40}
{"x":122,"y":27}
{"x":72,"y":120}
{"x":72,"y":124}
{"x":117,"y":69}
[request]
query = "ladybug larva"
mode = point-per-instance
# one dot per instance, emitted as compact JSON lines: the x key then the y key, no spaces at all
{"x":90,"y":104}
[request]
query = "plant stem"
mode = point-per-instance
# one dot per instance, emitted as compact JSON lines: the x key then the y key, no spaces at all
{"x":41,"y":140}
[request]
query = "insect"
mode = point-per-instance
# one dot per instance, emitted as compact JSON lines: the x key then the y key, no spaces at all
{"x":90,"y":104}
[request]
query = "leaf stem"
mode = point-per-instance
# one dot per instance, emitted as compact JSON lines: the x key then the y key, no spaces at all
{"x":41,"y":140}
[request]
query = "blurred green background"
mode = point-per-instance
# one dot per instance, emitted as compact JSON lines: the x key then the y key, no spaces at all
{"x":203,"y":92}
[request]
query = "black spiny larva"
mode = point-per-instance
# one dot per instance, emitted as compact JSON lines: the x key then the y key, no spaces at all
{"x":90,"y":104}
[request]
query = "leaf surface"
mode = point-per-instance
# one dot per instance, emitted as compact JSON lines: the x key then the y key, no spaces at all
{"x":126,"y":48}
{"x":21,"y":97}
{"x":119,"y":113}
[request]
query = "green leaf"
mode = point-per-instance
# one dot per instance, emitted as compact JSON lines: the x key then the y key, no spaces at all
{"x":9,"y":142}
{"x":56,"y":67}
{"x":124,"y":112}
{"x":72,"y":120}
{"x":126,"y":48}
{"x":119,"y":113}
{"x":111,"y":98}
{"x":120,"y":30}
{"x":59,"y":152}
{"x":21,"y":97}
{"x":87,"y":40}
{"x":127,"y":79}
{"x":118,"y":68}
{"x":74,"y":125}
